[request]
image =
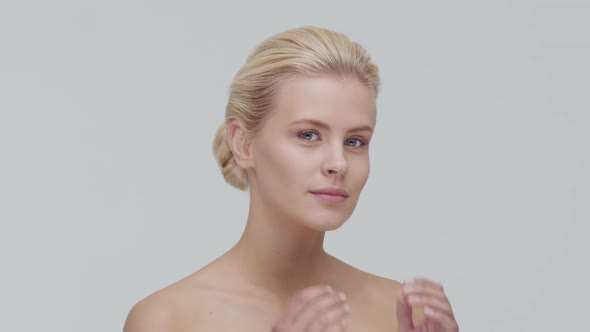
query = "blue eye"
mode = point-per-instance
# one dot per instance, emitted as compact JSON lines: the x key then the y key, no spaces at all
{"x":309,"y":135}
{"x":354,"y":142}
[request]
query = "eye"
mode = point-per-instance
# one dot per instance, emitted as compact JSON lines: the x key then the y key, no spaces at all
{"x":309,"y":135}
{"x":354,"y":142}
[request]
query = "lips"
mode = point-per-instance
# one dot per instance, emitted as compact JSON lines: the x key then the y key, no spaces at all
{"x":333,"y":195}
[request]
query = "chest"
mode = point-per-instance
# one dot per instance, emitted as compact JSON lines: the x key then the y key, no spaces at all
{"x":246,"y":315}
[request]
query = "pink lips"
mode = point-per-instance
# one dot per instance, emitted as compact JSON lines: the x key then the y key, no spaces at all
{"x":333,"y":195}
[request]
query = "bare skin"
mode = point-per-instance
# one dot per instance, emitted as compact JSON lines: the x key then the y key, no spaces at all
{"x":278,"y":276}
{"x":218,"y":298}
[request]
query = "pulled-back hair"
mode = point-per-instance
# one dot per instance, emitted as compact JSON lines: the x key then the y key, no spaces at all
{"x":305,"y":51}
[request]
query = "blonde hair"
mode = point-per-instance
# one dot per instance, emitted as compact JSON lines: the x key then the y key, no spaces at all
{"x":303,"y":51}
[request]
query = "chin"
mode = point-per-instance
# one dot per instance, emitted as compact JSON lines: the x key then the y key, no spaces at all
{"x":326,"y":223}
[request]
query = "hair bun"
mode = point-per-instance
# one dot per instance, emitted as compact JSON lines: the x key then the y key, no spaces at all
{"x":231,"y":172}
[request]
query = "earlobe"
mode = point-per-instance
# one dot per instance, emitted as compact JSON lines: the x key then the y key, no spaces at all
{"x":239,"y":143}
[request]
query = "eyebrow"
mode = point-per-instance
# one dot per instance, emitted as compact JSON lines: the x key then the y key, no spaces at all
{"x":324,"y":125}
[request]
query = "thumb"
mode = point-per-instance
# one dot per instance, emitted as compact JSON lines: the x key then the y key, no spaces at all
{"x":404,"y":313}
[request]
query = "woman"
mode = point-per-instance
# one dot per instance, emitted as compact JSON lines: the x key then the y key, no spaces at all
{"x":299,"y":120}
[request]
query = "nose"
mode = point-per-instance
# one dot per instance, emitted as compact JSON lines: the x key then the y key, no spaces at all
{"x":335,"y":162}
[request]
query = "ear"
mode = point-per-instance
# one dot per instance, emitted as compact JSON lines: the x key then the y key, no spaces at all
{"x":240,"y":144}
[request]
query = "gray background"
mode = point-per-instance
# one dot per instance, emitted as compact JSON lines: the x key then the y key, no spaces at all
{"x":480,"y":164}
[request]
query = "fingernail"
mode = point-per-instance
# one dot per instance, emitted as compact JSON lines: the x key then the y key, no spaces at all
{"x":329,"y":289}
{"x":342,"y":296}
{"x":347,"y":307}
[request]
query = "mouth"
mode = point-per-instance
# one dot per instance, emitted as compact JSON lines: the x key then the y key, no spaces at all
{"x":332,"y":195}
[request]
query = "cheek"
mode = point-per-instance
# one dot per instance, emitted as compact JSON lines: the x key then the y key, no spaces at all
{"x":360,"y":172}
{"x":279,"y":164}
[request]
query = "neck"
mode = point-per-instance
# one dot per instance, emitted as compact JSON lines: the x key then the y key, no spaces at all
{"x":279,"y":255}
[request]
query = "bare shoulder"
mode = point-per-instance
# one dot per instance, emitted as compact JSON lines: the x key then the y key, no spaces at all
{"x":387,"y":292}
{"x":385,"y":289}
{"x":375,"y":298}
{"x":206,"y":300}
{"x":372,"y":298}
{"x":153,"y":313}
{"x":379,"y":289}
{"x":168,"y":309}
{"x":383,"y":293}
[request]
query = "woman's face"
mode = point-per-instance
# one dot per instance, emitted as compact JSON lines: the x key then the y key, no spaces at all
{"x":311,"y":156}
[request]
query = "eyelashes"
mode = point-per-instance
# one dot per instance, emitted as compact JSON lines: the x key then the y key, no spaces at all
{"x":356,"y":142}
{"x":311,"y":135}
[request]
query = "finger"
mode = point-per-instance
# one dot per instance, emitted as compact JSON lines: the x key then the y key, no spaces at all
{"x":313,"y":311}
{"x":404,"y":312}
{"x":431,"y":325}
{"x":448,"y":323}
{"x":433,"y":302}
{"x":425,"y":292}
{"x":423,"y":289}
{"x":338,"y":326}
{"x":332,"y":318}
{"x":424,"y":284}
{"x":301,"y":299}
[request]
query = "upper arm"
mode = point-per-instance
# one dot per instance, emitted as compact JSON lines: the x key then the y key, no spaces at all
{"x":149,"y":315}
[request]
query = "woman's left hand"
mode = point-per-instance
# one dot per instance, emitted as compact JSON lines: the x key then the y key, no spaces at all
{"x":438,"y":314}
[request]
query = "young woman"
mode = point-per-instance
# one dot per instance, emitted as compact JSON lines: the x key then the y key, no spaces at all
{"x":297,"y":129}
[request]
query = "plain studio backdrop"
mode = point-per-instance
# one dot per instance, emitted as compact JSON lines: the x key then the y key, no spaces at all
{"x":480,"y":165}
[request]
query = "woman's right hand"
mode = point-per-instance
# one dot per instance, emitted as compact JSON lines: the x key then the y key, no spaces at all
{"x":315,"y":309}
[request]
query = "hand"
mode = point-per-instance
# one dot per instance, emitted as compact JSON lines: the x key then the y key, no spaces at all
{"x":315,"y":309}
{"x":438,"y":314}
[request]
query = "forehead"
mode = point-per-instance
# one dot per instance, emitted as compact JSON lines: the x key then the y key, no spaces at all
{"x":340,"y":101}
